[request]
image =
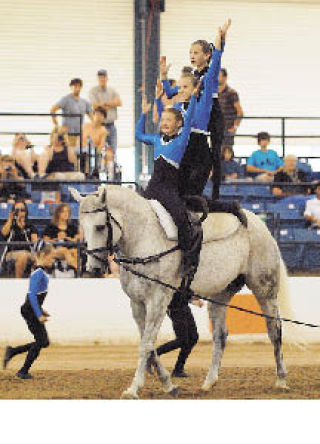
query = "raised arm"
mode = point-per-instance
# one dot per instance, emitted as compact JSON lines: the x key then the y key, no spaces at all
{"x":164,"y":69}
{"x":185,"y":133}
{"x":141,"y":134}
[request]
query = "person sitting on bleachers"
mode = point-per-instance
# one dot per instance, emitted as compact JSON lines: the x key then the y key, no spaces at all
{"x":59,"y":159}
{"x":290,"y":174}
{"x":18,"y":229}
{"x":230,"y":169}
{"x":10,"y":192}
{"x":62,"y":229}
{"x":24,"y":155}
{"x":312,"y":210}
{"x":95,"y":133}
{"x":264,"y":163}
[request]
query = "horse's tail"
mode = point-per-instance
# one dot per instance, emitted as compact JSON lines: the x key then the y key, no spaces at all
{"x":292,"y":333}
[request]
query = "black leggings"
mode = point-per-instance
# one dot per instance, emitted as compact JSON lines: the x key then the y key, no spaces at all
{"x":185,"y":329}
{"x":216,"y":128}
{"x":195,"y":166}
{"x":40,"y":335}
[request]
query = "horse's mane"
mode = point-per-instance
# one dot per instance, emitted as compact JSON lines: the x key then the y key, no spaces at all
{"x":120,"y":197}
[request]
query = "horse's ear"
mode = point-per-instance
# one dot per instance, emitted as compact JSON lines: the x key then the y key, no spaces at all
{"x":75,"y":194}
{"x":103,"y":194}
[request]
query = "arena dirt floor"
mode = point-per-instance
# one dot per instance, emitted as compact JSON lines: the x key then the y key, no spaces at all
{"x":104,"y":371}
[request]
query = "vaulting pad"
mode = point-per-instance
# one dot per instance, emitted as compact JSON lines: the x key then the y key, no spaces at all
{"x":217,"y":226}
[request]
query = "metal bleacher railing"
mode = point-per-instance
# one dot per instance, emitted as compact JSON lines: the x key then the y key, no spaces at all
{"x":299,"y":244}
{"x":41,"y":213}
{"x":92,"y":154}
{"x":284,"y":134}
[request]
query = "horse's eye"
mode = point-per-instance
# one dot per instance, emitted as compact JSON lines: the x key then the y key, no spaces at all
{"x":100,"y":227}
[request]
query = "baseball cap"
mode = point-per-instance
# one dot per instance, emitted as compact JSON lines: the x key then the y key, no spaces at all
{"x":102,"y":72}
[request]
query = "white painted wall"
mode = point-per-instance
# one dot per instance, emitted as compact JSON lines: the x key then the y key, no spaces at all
{"x":87,"y":310}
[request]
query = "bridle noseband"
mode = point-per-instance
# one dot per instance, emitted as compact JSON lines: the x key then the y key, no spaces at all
{"x":109,"y":248}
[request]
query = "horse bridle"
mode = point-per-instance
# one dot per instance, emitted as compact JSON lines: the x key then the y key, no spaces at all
{"x":109,"y":248}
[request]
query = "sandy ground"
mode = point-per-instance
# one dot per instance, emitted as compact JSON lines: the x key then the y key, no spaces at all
{"x":104,"y":371}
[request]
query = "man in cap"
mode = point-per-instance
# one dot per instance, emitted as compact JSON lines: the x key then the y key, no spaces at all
{"x":72,"y":104}
{"x":106,"y":97}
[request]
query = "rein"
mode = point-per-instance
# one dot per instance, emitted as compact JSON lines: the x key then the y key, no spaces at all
{"x":123,"y":261}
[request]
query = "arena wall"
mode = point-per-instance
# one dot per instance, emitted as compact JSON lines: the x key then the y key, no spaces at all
{"x":97,"y":310}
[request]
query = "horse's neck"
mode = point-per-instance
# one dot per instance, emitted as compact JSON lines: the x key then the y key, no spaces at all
{"x":142,"y":234}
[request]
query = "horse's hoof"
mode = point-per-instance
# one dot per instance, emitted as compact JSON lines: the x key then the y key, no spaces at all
{"x":174,"y":392}
{"x":128,"y":394}
{"x":207,"y":386}
{"x":281,"y":384}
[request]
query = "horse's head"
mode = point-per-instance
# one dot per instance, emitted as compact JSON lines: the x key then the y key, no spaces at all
{"x":101,"y":228}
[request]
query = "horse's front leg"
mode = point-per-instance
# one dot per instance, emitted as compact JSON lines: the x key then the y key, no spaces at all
{"x":155,"y":312}
{"x":217,"y":316}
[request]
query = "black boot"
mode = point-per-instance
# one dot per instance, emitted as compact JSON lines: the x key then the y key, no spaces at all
{"x":234,"y":208}
{"x":7,"y":356}
{"x":190,"y":241}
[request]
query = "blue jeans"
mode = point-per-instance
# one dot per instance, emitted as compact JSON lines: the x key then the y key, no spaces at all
{"x":112,"y":136}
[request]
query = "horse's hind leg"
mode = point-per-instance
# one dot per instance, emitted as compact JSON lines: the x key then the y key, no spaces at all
{"x":155,"y":313}
{"x":265,"y":289}
{"x":270,"y":307}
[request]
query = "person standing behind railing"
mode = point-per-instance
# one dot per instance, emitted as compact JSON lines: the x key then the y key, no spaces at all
{"x":108,"y":98}
{"x":72,"y":104}
{"x":18,"y":229}
{"x":230,"y":106}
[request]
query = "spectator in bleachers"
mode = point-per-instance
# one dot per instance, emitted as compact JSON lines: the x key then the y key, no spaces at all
{"x":95,"y":133}
{"x":312,"y":210}
{"x":230,"y":106}
{"x":10,"y":192}
{"x":230,"y":169}
{"x":72,"y":104}
{"x":18,"y":229}
{"x":107,"y":97}
{"x":264,"y":163}
{"x":24,"y":155}
{"x":290,"y":174}
{"x":59,"y":159}
{"x":63,"y":229}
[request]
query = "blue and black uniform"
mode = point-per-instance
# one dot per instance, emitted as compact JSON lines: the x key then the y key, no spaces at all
{"x":197,"y":161}
{"x":168,"y":153}
{"x":31,"y":311}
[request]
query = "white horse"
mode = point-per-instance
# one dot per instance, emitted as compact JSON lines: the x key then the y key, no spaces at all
{"x":248,"y":256}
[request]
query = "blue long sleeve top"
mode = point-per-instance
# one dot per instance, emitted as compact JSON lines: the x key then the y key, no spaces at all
{"x":38,"y":284}
{"x":173,"y":91}
{"x":173,"y":150}
{"x":204,"y":104}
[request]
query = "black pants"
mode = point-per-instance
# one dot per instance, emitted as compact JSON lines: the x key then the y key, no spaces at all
{"x":185,"y":330}
{"x":163,"y":187}
{"x":40,"y":335}
{"x":195,"y":166}
{"x":216,"y":128}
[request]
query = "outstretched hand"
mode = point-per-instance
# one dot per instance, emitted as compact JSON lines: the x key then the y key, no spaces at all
{"x":164,"y":68}
{"x":159,"y":89}
{"x":145,"y":105}
{"x":196,"y":89}
{"x":225,"y":28}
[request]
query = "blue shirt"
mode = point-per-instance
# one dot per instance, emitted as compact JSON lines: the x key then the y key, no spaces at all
{"x":204,"y":104}
{"x":265,"y":160}
{"x":38,"y":283}
{"x":173,"y":150}
{"x":229,"y":167}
